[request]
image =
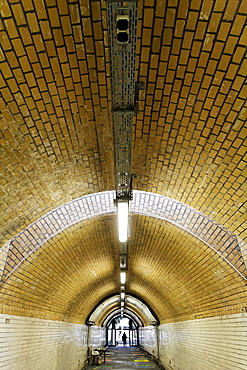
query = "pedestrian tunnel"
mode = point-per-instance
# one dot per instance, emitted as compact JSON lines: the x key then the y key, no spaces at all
{"x":114,"y":323}
{"x":185,"y":291}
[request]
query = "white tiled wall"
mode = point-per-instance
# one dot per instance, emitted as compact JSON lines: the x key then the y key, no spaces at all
{"x":97,"y":337}
{"x":148,"y":339}
{"x":34,"y":344}
{"x":217,"y":343}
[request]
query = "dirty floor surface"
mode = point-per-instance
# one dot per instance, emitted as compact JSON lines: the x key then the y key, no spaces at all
{"x":125,"y":358}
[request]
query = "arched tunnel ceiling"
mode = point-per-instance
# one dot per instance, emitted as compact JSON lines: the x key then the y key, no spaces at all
{"x":127,"y":313}
{"x":228,"y":245}
{"x":74,"y":262}
{"x":188,"y":137}
{"x":110,"y":308}
{"x":189,"y":144}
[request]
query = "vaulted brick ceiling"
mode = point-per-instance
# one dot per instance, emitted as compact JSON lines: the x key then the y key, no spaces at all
{"x":189,"y":144}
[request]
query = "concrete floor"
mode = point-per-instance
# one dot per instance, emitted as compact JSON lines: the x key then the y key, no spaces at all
{"x":126,"y":358}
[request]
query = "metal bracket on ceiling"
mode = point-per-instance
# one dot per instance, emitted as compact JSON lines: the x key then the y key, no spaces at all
{"x":131,"y":186}
{"x":123,"y":261}
{"x":121,"y":110}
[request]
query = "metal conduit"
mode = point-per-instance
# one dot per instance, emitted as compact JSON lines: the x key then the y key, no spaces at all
{"x":122,"y":29}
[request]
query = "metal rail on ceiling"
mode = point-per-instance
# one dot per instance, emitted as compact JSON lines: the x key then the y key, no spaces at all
{"x":122,"y":30}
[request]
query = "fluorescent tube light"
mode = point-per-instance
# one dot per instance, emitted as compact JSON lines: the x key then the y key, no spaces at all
{"x":123,"y":277}
{"x":122,"y":304}
{"x":122,"y":295}
{"x":123,"y":214}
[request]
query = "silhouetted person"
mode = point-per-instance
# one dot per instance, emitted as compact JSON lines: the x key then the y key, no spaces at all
{"x":124,"y":337}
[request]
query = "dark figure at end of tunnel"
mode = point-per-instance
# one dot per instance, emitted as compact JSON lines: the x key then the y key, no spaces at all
{"x":124,"y":337}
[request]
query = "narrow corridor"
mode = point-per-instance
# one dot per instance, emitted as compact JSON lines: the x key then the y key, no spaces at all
{"x":125,"y":358}
{"x":123,"y":141}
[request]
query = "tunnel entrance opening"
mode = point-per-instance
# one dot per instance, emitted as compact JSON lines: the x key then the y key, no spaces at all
{"x":116,"y":329}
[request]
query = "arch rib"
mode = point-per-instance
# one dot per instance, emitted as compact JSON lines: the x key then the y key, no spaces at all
{"x":195,"y":222}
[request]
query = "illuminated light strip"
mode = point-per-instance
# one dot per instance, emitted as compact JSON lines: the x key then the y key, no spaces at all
{"x":122,"y":277}
{"x":123,"y":215}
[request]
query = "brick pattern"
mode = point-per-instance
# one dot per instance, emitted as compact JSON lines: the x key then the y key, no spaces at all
{"x":194,"y":222}
{"x":148,"y":339}
{"x":64,"y":279}
{"x":189,"y":144}
{"x":33,"y":344}
{"x":189,"y":138}
{"x":178,"y":275}
{"x":104,"y":312}
{"x":97,"y":336}
{"x":131,"y":310}
{"x":56,"y":134}
{"x":190,"y":133}
{"x":53,"y":223}
{"x":214,"y":343}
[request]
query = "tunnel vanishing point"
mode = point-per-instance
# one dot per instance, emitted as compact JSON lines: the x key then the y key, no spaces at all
{"x":123,"y":151}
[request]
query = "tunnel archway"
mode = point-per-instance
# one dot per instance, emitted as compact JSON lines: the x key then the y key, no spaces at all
{"x":66,"y":99}
{"x":228,"y":245}
{"x":109,"y":308}
{"x":108,"y":315}
{"x":69,"y":238}
{"x":117,"y":326}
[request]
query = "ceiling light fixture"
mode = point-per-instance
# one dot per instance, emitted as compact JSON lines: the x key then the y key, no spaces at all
{"x":123,"y":277}
{"x":123,"y":215}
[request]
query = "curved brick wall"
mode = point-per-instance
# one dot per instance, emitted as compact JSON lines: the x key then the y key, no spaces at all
{"x":153,"y":205}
